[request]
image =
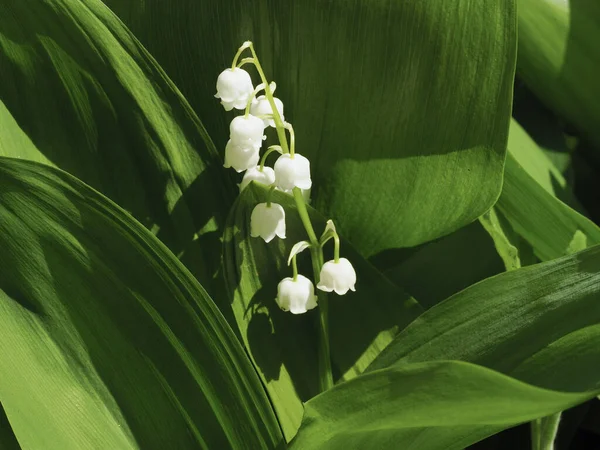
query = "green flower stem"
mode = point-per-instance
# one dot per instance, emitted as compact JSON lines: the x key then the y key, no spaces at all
{"x":258,"y":88}
{"x":543,"y":432}
{"x":316,"y":253}
{"x":243,"y":47}
{"x":271,"y":149}
{"x":276,"y":117}
{"x":290,"y":128}
{"x":325,"y":375}
{"x":336,"y":248}
{"x":245,"y":61}
{"x":295,"y":268}
{"x":269,"y":195}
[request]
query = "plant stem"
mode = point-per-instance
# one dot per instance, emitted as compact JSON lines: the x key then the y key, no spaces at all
{"x":543,"y":432}
{"x":316,"y":253}
{"x":276,"y":117}
{"x":325,"y":374}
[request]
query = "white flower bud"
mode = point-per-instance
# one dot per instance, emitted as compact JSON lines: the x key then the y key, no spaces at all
{"x":261,"y":107}
{"x":239,"y":157}
{"x":296,"y":296}
{"x":291,"y":172}
{"x":234,"y":87}
{"x":337,"y":276}
{"x":247,"y":131}
{"x":267,"y":221}
{"x":266,"y":176}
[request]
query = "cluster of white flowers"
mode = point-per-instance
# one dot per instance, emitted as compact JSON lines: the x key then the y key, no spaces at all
{"x":290,"y":172}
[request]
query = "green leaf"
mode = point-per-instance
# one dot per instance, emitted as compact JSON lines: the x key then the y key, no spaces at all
{"x":533,"y":160}
{"x":558,"y":58}
{"x":107,"y":341}
{"x":434,"y":271}
{"x":284,"y":346}
{"x":408,"y":101}
{"x":539,"y":324}
{"x":551,"y":227}
{"x":379,"y":409}
{"x":90,"y":100}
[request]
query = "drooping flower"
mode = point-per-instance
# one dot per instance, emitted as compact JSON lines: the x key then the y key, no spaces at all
{"x":265,"y":176}
{"x":247,"y":131}
{"x":296,"y":296}
{"x":240,"y":157}
{"x":337,"y":276}
{"x":234,"y":87}
{"x":292,"y":171}
{"x":262,"y":107}
{"x":267,"y":221}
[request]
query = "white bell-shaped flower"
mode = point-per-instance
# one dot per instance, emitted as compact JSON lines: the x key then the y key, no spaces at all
{"x":264,"y":176}
{"x":234,"y":87}
{"x":337,"y":276}
{"x":292,"y":171}
{"x":262,"y":107}
{"x":267,"y":221}
{"x":240,"y":157}
{"x":247,"y":131}
{"x":297,"y":296}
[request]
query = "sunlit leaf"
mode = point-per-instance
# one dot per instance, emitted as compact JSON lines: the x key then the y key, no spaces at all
{"x":106,"y":340}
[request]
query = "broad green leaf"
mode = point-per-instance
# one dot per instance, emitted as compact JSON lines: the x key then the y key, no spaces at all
{"x":434,"y":271}
{"x":283,"y":346}
{"x":505,"y":320}
{"x":90,"y":100}
{"x":106,"y":340}
{"x":377,"y":409}
{"x":540,"y":324}
{"x":559,"y":58}
{"x":401,"y":106}
{"x":533,"y":160}
{"x":551,"y":227}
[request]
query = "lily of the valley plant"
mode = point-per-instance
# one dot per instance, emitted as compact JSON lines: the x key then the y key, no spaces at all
{"x":290,"y":174}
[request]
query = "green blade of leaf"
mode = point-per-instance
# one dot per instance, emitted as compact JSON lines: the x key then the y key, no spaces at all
{"x":558,"y":58}
{"x":373,"y":410}
{"x":284,"y":346}
{"x":90,"y":100}
{"x":365,"y":84}
{"x":434,"y":271}
{"x":538,"y":324}
{"x":106,"y":340}
{"x":550,"y":226}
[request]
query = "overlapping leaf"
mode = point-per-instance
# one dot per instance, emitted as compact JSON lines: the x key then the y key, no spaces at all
{"x":540,"y":324}
{"x":384,"y":408}
{"x":402,"y":107}
{"x":93,"y":102}
{"x":558,"y":58}
{"x":284,"y":346}
{"x":106,"y":340}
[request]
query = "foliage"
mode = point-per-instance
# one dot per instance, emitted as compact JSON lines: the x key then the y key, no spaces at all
{"x":136,"y":311}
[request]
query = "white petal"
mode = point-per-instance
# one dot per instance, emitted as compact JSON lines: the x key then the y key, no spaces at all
{"x":291,"y":172}
{"x":267,"y":221}
{"x":234,"y":87}
{"x":261,"y":107}
{"x":266,"y":176}
{"x":339,"y":277}
{"x":239,"y":157}
{"x":247,"y":131}
{"x":296,"y":296}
